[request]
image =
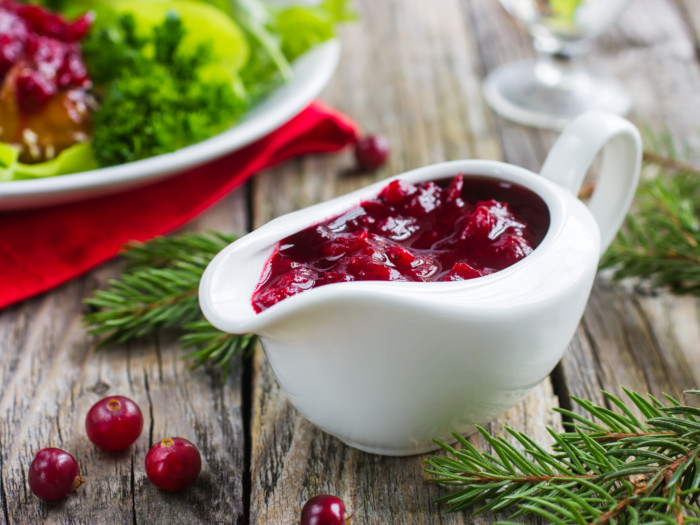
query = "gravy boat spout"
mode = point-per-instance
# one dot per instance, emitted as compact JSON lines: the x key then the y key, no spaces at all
{"x":388,"y":366}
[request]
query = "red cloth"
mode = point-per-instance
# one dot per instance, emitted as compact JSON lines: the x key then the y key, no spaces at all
{"x":42,"y":248}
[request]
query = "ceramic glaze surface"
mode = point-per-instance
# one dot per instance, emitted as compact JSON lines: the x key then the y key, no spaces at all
{"x":389,"y":366}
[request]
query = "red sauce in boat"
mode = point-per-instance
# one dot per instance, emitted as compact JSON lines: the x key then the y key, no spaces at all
{"x":445,"y":230}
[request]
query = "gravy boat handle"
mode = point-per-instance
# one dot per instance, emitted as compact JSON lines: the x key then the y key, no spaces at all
{"x":573,"y":153}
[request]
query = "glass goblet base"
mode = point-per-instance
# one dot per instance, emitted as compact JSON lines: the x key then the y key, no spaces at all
{"x":545,"y":95}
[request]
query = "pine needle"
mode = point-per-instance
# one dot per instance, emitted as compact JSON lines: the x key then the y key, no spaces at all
{"x":158,"y":291}
{"x":650,"y":475}
{"x":660,"y":241}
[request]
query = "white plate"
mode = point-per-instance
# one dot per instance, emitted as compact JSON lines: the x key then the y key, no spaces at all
{"x":312,"y":72}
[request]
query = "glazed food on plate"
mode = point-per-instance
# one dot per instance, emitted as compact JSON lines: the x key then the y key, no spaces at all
{"x":99,"y":83}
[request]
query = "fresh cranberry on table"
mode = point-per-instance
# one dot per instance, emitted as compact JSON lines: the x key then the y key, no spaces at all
{"x":324,"y":509}
{"x":114,"y":423}
{"x":53,"y":474}
{"x":173,"y":464}
{"x":371,"y":152}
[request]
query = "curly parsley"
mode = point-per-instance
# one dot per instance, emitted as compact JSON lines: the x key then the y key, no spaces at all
{"x":153,"y":99}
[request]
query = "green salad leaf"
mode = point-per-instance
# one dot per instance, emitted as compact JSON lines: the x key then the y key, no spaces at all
{"x":302,"y":27}
{"x":268,"y":57}
{"x":283,"y":33}
{"x":78,"y":157}
{"x":171,"y":73}
{"x":157,"y":102}
{"x":202,"y":23}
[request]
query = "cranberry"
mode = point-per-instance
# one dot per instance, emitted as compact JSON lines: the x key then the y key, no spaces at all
{"x":11,"y":50}
{"x":9,"y":5}
{"x":509,"y":249}
{"x":33,"y":90}
{"x":479,"y":225}
{"x":324,"y":509}
{"x":44,"y":48}
{"x":52,"y":25}
{"x":114,"y":423}
{"x":54,"y":474}
{"x":462,"y":271}
{"x":371,"y":152}
{"x":396,"y":191}
{"x":72,"y":71}
{"x":400,"y":256}
{"x":173,"y":464}
{"x":78,"y":29}
{"x":35,"y":16}
{"x":433,"y":231}
{"x":453,"y":194}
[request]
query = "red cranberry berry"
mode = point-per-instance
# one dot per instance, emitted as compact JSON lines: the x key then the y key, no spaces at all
{"x":324,"y":509}
{"x":371,"y":152}
{"x":78,"y":29}
{"x":45,"y":49}
{"x":33,"y":90}
{"x":114,"y":423}
{"x":53,"y":474}
{"x":173,"y":464}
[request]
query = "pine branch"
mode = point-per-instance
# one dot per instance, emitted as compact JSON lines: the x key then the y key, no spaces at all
{"x":196,"y":248}
{"x":158,"y":291}
{"x":660,"y":241}
{"x":664,"y":161}
{"x":609,"y":467}
{"x":212,"y":346}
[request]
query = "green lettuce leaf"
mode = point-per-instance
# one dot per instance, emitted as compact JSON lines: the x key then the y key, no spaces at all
{"x":79,"y":157}
{"x":202,"y":23}
{"x":282,"y":34}
{"x":302,"y":27}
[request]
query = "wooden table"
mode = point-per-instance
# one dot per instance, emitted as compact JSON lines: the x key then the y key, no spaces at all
{"x":411,"y":70}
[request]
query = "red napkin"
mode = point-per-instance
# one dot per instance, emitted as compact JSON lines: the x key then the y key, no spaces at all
{"x":42,"y":248}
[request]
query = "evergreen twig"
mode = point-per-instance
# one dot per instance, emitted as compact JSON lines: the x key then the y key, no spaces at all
{"x":158,"y":291}
{"x":608,"y":467}
{"x":660,"y":241}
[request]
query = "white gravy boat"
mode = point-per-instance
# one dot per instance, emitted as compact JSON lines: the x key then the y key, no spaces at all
{"x":389,"y":366}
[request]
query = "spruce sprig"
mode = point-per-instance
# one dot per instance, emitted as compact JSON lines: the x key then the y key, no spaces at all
{"x":608,"y":467}
{"x":660,"y":241}
{"x":158,"y":291}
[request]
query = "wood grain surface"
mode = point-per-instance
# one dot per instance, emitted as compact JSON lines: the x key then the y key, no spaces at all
{"x":411,"y":70}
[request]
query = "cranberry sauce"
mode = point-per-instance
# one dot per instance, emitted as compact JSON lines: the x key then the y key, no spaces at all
{"x":446,"y":230}
{"x":40,"y":52}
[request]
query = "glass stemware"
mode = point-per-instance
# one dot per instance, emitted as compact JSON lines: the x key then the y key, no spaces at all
{"x":555,"y":87}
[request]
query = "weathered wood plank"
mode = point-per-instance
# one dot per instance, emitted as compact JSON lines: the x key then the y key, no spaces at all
{"x":501,"y":39}
{"x":635,"y":339}
{"x":50,"y":376}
